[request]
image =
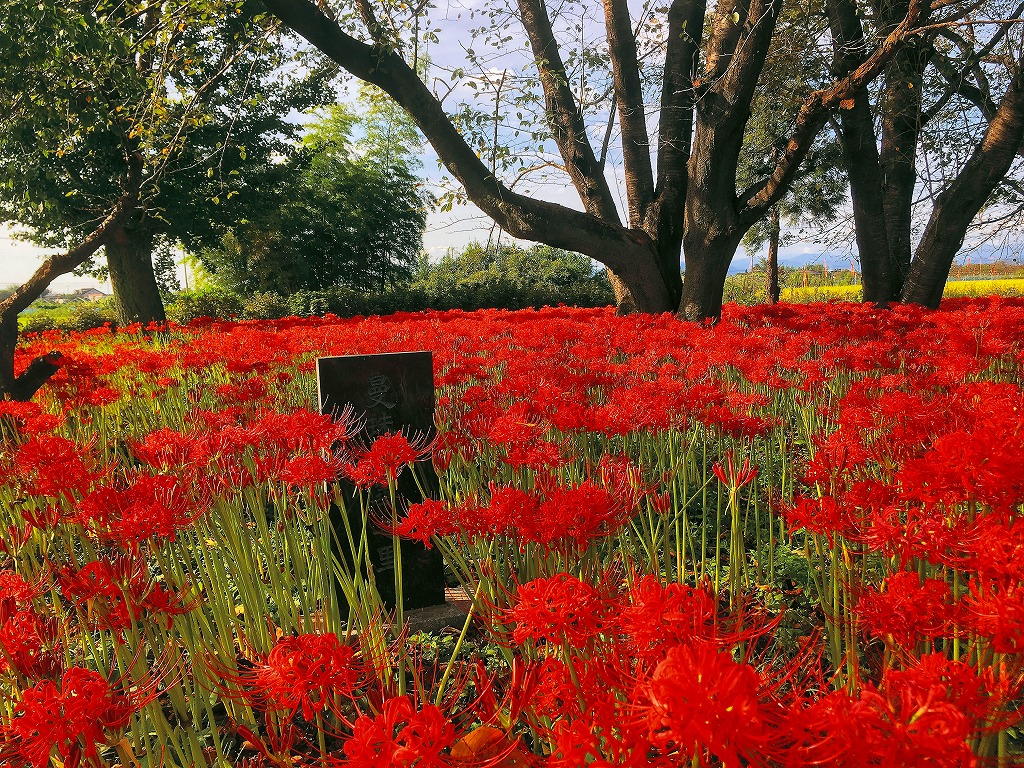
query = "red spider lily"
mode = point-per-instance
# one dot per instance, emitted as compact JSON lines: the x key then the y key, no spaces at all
{"x":14,"y":591}
{"x":72,"y":717}
{"x":730,"y":477}
{"x":149,"y":506}
{"x":386,"y":458}
{"x":699,"y":701}
{"x":914,"y":463}
{"x":557,"y":609}
{"x":504,"y":697}
{"x":423,"y":521}
{"x":309,"y":472}
{"x":305,"y":673}
{"x":901,"y":725}
{"x":30,"y":645}
{"x":55,"y":466}
{"x":29,"y":418}
{"x":401,"y":735}
{"x":653,"y":616}
{"x":907,"y":610}
{"x":996,"y":613}
{"x":120,"y":591}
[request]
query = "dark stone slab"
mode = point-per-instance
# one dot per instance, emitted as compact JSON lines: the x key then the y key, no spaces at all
{"x":388,"y":393}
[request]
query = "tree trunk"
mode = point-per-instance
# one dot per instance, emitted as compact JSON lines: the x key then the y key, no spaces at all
{"x":643,"y":255}
{"x":130,"y":260}
{"x":707,"y":266}
{"x":900,"y":106}
{"x":958,"y":204}
{"x":624,"y":303}
{"x":773,"y":255}
{"x":24,"y":385}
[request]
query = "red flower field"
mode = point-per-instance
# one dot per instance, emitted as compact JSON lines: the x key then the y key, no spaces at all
{"x":794,"y":538}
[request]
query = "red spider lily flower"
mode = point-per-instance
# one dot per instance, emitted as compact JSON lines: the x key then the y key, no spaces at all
{"x":303,"y":673}
{"x":506,"y":696}
{"x":30,"y":418}
{"x":979,"y":694}
{"x":302,"y":431}
{"x":166,"y":449}
{"x":557,"y":609}
{"x":701,"y":701}
{"x":906,"y":609}
{"x":14,"y":591}
{"x":401,"y":735}
{"x":997,"y":613}
{"x":823,"y":516}
{"x":310,"y":471}
{"x":120,"y":591}
{"x":576,"y":744}
{"x":907,"y":725}
{"x":730,"y":477}
{"x":30,"y":645}
{"x":579,"y":514}
{"x":423,"y":521}
{"x":510,"y":509}
{"x":149,"y":506}
{"x":555,"y":692}
{"x":54,"y":466}
{"x":84,"y":710}
{"x":654,"y":616}
{"x":386,"y":458}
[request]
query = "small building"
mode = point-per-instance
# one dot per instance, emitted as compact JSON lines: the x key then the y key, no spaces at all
{"x":90,"y":294}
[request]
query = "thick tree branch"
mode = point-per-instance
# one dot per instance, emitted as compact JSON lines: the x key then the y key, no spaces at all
{"x":626,"y":253}
{"x":666,"y":216}
{"x":570,"y":132}
{"x":685,"y":21}
{"x":629,"y":94}
{"x":757,"y":26}
{"x":900,"y":111}
{"x":757,"y":199}
{"x":855,"y":128}
{"x":956,"y":81}
{"x":61,"y":264}
{"x":25,"y":385}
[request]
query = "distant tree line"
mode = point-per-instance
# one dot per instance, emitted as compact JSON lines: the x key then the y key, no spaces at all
{"x":505,"y":276}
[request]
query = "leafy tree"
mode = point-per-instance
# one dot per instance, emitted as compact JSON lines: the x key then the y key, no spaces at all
{"x":340,"y":213}
{"x":536,"y":267}
{"x":193,"y":92}
{"x":51,"y":111}
{"x":697,"y":79}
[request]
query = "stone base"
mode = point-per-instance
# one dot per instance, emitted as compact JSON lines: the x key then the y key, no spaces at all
{"x":435,"y":618}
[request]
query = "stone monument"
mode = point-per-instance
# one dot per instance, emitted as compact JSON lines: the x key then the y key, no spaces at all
{"x":391,"y":392}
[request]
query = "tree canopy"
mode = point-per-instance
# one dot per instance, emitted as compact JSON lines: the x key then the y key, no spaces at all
{"x":198,"y":94}
{"x":341,"y":211}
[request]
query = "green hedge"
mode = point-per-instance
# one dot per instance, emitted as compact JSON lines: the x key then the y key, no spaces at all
{"x":344,"y":302}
